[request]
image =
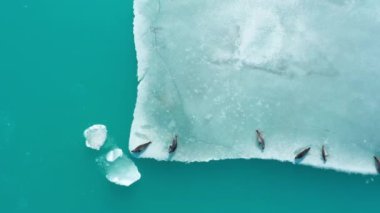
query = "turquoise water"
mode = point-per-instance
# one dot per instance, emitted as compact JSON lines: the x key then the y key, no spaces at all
{"x":67,"y":65}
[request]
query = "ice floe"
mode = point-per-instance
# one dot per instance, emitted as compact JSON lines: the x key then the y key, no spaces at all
{"x":95,"y":136}
{"x":119,"y":169}
{"x":304,"y":72}
{"x":114,"y":154}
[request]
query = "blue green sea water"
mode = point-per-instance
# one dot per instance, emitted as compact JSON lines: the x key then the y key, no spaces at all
{"x":65,"y":65}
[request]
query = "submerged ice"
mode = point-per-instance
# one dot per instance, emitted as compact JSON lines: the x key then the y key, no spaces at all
{"x":304,"y":72}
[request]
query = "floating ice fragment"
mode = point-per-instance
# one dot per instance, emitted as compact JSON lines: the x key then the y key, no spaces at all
{"x":114,"y":154}
{"x":95,"y":136}
{"x":122,"y":171}
{"x":304,"y":72}
{"x":119,"y":169}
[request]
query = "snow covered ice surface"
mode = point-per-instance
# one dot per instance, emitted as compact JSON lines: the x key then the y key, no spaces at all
{"x":118,"y":168}
{"x":214,"y":71}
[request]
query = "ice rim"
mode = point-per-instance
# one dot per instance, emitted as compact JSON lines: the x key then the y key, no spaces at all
{"x":144,"y":128}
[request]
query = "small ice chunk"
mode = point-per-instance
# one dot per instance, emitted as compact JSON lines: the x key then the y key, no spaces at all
{"x":119,"y":168}
{"x":95,"y":136}
{"x":114,"y":154}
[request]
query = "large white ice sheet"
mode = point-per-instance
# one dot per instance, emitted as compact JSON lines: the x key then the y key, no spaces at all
{"x":213,"y":71}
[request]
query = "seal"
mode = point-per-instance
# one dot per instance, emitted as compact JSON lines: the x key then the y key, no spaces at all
{"x":260,"y":139}
{"x":173,"y":146}
{"x":302,"y":154}
{"x":377,"y":163}
{"x":324,"y":154}
{"x":141,"y":147}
